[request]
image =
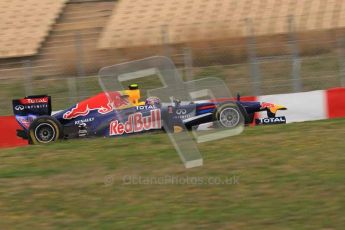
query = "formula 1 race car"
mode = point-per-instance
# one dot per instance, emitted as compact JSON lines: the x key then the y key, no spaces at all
{"x":121,"y":113}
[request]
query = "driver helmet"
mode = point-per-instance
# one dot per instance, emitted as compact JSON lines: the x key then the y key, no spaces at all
{"x":155,"y":101}
{"x":133,"y":93}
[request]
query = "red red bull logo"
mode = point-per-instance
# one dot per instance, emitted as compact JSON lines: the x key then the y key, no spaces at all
{"x":100,"y":102}
{"x":136,"y":123}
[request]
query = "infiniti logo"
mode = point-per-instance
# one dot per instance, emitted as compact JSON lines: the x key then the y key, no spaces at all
{"x":181,"y":111}
{"x":19,"y":107}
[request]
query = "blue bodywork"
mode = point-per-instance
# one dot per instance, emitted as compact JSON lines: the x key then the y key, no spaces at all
{"x":99,"y":124}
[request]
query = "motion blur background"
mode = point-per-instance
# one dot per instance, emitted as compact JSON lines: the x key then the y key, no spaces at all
{"x":257,"y":47}
{"x":290,"y":176}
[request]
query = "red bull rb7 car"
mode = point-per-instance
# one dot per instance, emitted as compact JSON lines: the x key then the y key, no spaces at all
{"x":118,"y":113}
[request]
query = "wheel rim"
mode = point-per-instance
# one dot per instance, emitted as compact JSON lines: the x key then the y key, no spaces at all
{"x":229,"y":117}
{"x":44,"y":133}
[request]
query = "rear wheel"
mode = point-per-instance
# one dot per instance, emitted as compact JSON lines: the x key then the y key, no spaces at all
{"x":44,"y":130}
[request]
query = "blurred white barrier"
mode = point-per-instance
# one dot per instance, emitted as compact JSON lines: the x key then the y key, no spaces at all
{"x":306,"y":106}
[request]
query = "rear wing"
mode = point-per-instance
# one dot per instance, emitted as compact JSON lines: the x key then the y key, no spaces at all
{"x":32,"y":105}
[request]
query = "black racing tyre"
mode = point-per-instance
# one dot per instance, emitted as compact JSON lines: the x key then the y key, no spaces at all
{"x":247,"y":118}
{"x":44,"y":130}
{"x":228,"y":115}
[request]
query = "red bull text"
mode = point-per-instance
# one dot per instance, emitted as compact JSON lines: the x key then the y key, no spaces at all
{"x":137,"y":123}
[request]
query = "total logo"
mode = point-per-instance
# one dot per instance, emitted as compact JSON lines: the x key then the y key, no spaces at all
{"x":37,"y":100}
{"x":34,"y":100}
{"x":271,"y":120}
{"x":145,"y":107}
{"x":137,"y":123}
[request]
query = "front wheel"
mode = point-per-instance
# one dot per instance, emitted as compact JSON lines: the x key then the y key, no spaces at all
{"x":44,"y":130}
{"x":228,"y":116}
